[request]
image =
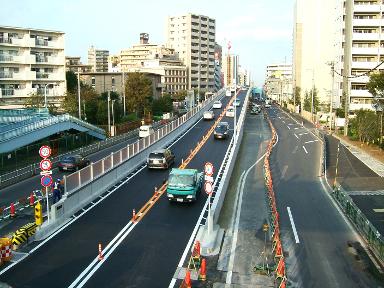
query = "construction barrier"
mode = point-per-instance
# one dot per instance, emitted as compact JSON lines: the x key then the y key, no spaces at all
{"x":277,"y":248}
{"x":6,"y":249}
{"x":22,"y":234}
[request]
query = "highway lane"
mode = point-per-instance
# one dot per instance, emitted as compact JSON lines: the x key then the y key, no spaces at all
{"x":63,"y":258}
{"x":315,"y":235}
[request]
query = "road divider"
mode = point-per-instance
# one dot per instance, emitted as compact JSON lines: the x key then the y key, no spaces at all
{"x":22,"y":234}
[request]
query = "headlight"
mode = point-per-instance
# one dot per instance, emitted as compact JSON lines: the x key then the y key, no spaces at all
{"x":189,"y":197}
{"x":170,"y":195}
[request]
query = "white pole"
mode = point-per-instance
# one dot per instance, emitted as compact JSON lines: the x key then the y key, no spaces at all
{"x":46,"y":194}
{"x":45,"y":95}
{"x":210,"y":224}
{"x":78,"y":91}
{"x":109,"y":116}
{"x":113,"y":118}
{"x":124,"y":92}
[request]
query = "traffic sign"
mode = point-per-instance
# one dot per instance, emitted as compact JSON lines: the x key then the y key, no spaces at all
{"x":208,"y":178}
{"x":45,"y":164}
{"x":45,"y":151}
{"x":48,"y":172}
{"x":46,"y":180}
{"x":208,"y":169}
{"x":208,"y":187}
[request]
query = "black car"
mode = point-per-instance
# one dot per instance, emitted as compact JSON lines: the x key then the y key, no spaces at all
{"x":160,"y":159}
{"x":255,"y":110}
{"x":73,"y":162}
{"x":221,"y":130}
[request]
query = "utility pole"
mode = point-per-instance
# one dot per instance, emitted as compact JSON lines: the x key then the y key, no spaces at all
{"x":109,"y":113}
{"x":312,"y":91}
{"x":331,"y":100}
{"x":124,"y":93}
{"x":78,"y":91}
{"x":347,"y":59}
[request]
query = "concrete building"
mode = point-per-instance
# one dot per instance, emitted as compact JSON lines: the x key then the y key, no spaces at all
{"x":278,"y":83}
{"x":98,"y":59}
{"x":114,"y":63}
{"x":193,"y":38}
{"x":30,"y":61}
{"x":243,"y":76}
{"x":155,"y":59}
{"x":218,"y":65}
{"x":231,"y":69}
{"x":362,"y":36}
{"x":74,"y":64}
{"x":314,"y":47}
{"x":110,"y":81}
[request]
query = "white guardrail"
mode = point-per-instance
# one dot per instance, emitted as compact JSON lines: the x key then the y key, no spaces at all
{"x":88,"y":183}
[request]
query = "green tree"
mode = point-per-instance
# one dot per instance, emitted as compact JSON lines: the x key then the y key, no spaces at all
{"x":308,"y":101}
{"x":179,"y":95}
{"x":138,"y":93}
{"x":297,"y":97}
{"x":35,"y":100}
{"x":162,"y":105}
{"x":70,"y":104}
{"x":71,"y":78}
{"x":364,"y":126}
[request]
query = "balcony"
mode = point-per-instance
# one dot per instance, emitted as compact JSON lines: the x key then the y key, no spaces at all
{"x":366,"y":50}
{"x":368,"y":22}
{"x":360,"y":93}
{"x":6,"y":75}
{"x":364,"y":65}
{"x":354,"y":107}
{"x":365,"y":36}
{"x":366,"y":8}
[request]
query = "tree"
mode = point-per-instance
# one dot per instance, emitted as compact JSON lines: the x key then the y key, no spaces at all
{"x":179,"y":95}
{"x":35,"y":100}
{"x":71,"y":78}
{"x":138,"y":93}
{"x":297,"y":97}
{"x":308,"y":101}
{"x":364,"y":126}
{"x":162,"y":105}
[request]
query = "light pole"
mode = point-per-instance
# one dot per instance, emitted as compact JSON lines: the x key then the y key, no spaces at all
{"x":109,"y":115}
{"x":234,"y":118}
{"x":312,"y":91}
{"x":45,"y":93}
{"x":78,"y":91}
{"x":113,"y":118}
{"x":124,"y":92}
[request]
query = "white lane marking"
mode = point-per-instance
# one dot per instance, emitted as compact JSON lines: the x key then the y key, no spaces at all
{"x":289,"y":127}
{"x":295,"y":149}
{"x":293,"y":225}
{"x":304,"y":133}
{"x":305,"y":150}
{"x":283,"y":121}
{"x":311,"y":141}
{"x":297,"y":128}
{"x":296,"y":136}
{"x":284,"y":171}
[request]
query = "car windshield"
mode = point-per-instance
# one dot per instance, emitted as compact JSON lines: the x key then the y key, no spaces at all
{"x":180,"y":180}
{"x":68,"y":159}
{"x":155,"y":155}
{"x":217,"y":102}
{"x":221,"y":128}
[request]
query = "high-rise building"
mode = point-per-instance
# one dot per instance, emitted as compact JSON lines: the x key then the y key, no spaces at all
{"x":231,"y":70}
{"x":218,"y":64}
{"x":243,"y":76}
{"x":193,"y":38}
{"x":314,"y":47}
{"x":31,"y":61}
{"x":98,"y":59}
{"x":363,"y":40}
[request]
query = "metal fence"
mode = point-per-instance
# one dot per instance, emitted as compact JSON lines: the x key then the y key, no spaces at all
{"x":363,"y":225}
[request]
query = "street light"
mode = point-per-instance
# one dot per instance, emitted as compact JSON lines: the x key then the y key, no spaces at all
{"x":45,"y":92}
{"x":113,"y":118}
{"x":78,"y":91}
{"x":109,"y":115}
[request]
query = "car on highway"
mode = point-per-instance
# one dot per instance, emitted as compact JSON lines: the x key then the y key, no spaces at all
{"x":230,"y":112}
{"x":145,"y":131}
{"x":73,"y":162}
{"x":160,"y":159}
{"x":184,"y":185}
{"x":255,"y":110}
{"x":237,"y":102}
{"x":209,"y":115}
{"x":221,"y":131}
{"x":217,"y":105}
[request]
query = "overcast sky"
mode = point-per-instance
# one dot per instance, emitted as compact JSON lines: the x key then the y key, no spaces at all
{"x":260,"y":30}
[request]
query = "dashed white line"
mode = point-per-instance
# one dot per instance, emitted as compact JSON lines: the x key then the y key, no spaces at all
{"x":293,"y":225}
{"x":311,"y":141}
{"x":305,"y":150}
{"x":304,"y":133}
{"x":289,"y":127}
{"x":297,"y":128}
{"x":296,"y":136}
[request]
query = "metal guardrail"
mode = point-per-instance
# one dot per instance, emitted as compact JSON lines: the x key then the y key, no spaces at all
{"x":373,"y":237}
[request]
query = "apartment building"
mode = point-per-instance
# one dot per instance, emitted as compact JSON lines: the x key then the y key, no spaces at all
{"x":154,"y":59}
{"x":98,"y":59}
{"x":218,"y":64}
{"x":231,"y":69}
{"x":314,"y":47}
{"x":278,"y":83}
{"x":113,"y":81}
{"x":73,"y":63}
{"x":366,"y":46}
{"x":243,"y":76}
{"x":31,"y":61}
{"x":193,"y":38}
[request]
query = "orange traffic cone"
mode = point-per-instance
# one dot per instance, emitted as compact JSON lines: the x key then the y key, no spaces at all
{"x":203,"y":270}
{"x":12,"y":210}
{"x":31,"y":199}
{"x":187,"y":280}
{"x":101,"y":257}
{"x":134,"y":215}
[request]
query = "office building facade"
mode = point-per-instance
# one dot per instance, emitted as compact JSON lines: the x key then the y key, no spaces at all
{"x":32,"y":61}
{"x":193,"y":38}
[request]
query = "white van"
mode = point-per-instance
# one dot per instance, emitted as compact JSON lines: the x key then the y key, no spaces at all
{"x":145,"y":131}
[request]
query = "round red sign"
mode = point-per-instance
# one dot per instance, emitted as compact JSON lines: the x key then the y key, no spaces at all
{"x":45,"y":151}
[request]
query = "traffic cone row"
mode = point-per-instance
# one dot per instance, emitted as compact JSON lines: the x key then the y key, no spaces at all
{"x":274,"y":215}
{"x":100,"y":256}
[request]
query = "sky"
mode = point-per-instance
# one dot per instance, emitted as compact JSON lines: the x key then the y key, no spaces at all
{"x":260,"y":31}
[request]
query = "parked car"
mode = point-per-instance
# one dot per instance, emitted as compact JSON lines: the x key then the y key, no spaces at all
{"x":160,"y":159}
{"x":145,"y":131}
{"x":208,"y":115}
{"x":221,"y":130}
{"x":230,"y":112}
{"x":73,"y":162}
{"x":217,"y":105}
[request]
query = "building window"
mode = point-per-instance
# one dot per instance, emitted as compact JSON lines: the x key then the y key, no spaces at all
{"x":93,"y":82}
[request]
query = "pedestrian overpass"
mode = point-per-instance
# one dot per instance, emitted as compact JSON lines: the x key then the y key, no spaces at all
{"x":20,"y":127}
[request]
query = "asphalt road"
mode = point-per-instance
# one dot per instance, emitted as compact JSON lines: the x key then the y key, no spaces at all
{"x":148,"y":256}
{"x":314,"y":234}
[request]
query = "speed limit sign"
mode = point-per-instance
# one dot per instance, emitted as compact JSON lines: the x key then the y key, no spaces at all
{"x":45,"y":151}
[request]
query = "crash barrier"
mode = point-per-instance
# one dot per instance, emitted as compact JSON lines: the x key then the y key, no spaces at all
{"x":21,"y":204}
{"x":22,"y":234}
{"x":90,"y":182}
{"x":5,"y":250}
{"x":365,"y":228}
{"x":277,"y":248}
